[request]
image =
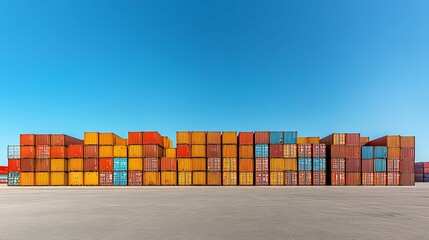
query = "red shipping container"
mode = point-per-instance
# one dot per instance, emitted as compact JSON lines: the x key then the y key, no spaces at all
{"x":43,"y":152}
{"x":276,"y":150}
{"x":135,"y":178}
{"x":407,"y":153}
{"x":90,"y":151}
{"x":368,"y":179}
{"x":246,"y":165}
{"x":319,"y":178}
{"x":291,"y":178}
{"x":27,"y":140}
{"x":393,"y":178}
{"x":106,"y":178}
{"x":367,"y":165}
{"x":353,"y":139}
{"x":152,"y":138}
{"x":407,"y":179}
{"x":261,"y":164}
{"x":262,"y":137}
{"x":59,"y":152}
{"x":408,"y":141}
{"x":245,"y":138}
{"x":353,"y":165}
{"x":14,"y":165}
{"x":168,"y":164}
{"x":214,"y":151}
{"x":64,"y":140}
{"x":262,"y":179}
{"x":213,"y":138}
{"x":28,"y":152}
{"x":304,"y":150}
{"x":90,"y":164}
{"x":106,"y":164}
{"x":43,"y":165}
{"x":338,"y":178}
{"x":406,"y":166}
{"x":43,"y":139}
{"x":338,"y":164}
{"x":152,"y":150}
{"x":304,"y":178}
{"x":319,"y":150}
{"x":337,"y":151}
{"x":75,"y":151}
{"x":353,"y":178}
{"x":135,"y":138}
{"x":183,"y":151}
{"x":214,"y":164}
{"x":27,"y":165}
{"x":393,"y":165}
{"x":380,"y":179}
{"x":151,"y":164}
{"x":353,"y":151}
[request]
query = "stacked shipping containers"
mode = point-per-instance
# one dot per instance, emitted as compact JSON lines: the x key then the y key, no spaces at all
{"x":199,"y":158}
{"x":353,"y":159}
{"x":4,"y":170}
{"x":276,"y":159}
{"x":13,"y":155}
{"x":90,"y":159}
{"x":319,"y":164}
{"x":75,"y":165}
{"x":367,"y":165}
{"x":169,"y":164}
{"x":229,"y":158}
{"x":214,"y":159}
{"x":421,"y":171}
{"x":153,"y":151}
{"x":120,"y":158}
{"x":262,"y":140}
{"x":291,"y":164}
{"x":304,"y":164}
{"x":106,"y":162}
{"x":135,"y":158}
{"x":59,"y":158}
{"x":407,"y":161}
{"x":246,"y":160}
{"x":28,"y":158}
{"x":335,"y":152}
{"x":184,"y":161}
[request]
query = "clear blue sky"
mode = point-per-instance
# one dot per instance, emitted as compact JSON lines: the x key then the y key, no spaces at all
{"x":313,"y":66}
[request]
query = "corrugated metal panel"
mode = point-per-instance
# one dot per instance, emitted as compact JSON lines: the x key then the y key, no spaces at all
{"x":151,"y":178}
{"x":185,"y":178}
{"x":261,"y":150}
{"x":168,"y":178}
{"x":214,"y":178}
{"x":75,"y":179}
{"x":277,"y":178}
{"x":198,"y":138}
{"x":120,"y":178}
{"x":277,"y":137}
{"x":90,"y":179}
{"x":199,"y":178}
{"x":290,"y":137}
{"x":229,"y":178}
{"x":59,"y":179}
{"x":90,"y":138}
{"x":304,"y":164}
{"x":319,"y":164}
{"x":380,"y":165}
{"x":367,"y":152}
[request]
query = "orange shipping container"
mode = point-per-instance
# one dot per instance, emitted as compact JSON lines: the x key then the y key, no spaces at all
{"x":198,"y":150}
{"x":214,"y":178}
{"x":229,"y":137}
{"x":168,"y":164}
{"x":185,"y":178}
{"x":229,"y":164}
{"x":245,"y":138}
{"x":184,"y":164}
{"x":277,"y":178}
{"x":290,"y":150}
{"x":393,"y":153}
{"x":291,"y":164}
{"x":107,"y":139}
{"x":105,"y":151}
{"x":75,"y":151}
{"x":246,"y":179}
{"x":213,"y":138}
{"x":90,"y":179}
{"x":75,"y":179}
{"x":106,"y":164}
{"x":246,"y":165}
{"x":27,"y":152}
{"x":277,"y":164}
{"x":389,"y":141}
{"x":167,"y":142}
{"x":151,"y":178}
{"x":229,"y":151}
{"x":43,"y":179}
{"x":168,"y":178}
{"x":198,"y":138}
{"x":75,"y":165}
{"x":229,"y":178}
{"x":135,"y":164}
{"x":90,"y":138}
{"x":120,"y":151}
{"x":199,"y":164}
{"x":59,"y":152}
{"x":183,"y":138}
{"x":245,"y":151}
{"x":27,"y":140}
{"x":199,"y":178}
{"x":26,"y":179}
{"x":59,"y":179}
{"x":408,"y":141}
{"x":135,"y":151}
{"x":170,"y":152}
{"x":59,"y":165}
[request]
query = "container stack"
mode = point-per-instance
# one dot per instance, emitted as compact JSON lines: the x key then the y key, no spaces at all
{"x":245,"y":158}
{"x":291,"y":164}
{"x":169,"y":164}
{"x":367,"y":165}
{"x":393,"y":165}
{"x":184,"y":161}
{"x":75,"y":165}
{"x":305,"y":164}
{"x":229,"y":158}
{"x":4,"y":170}
{"x":28,"y":159}
{"x":421,"y":171}
{"x":120,"y":160}
{"x":214,"y":159}
{"x":276,"y":159}
{"x":407,"y":161}
{"x":380,"y":165}
{"x":335,"y":152}
{"x":135,"y":158}
{"x":153,"y":151}
{"x":353,"y":159}
{"x":13,"y":155}
{"x":199,"y":158}
{"x":262,"y":140}
{"x":319,"y":164}
{"x":306,"y":140}
{"x":91,"y":156}
{"x":59,"y":158}
{"x":106,"y":152}
{"x":43,"y":160}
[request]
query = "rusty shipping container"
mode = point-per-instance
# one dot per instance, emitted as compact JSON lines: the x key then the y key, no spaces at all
{"x":168,"y":164}
{"x":245,"y":138}
{"x":276,"y":150}
{"x":90,"y":164}
{"x":291,"y":178}
{"x":213,"y":138}
{"x":408,"y":141}
{"x":338,"y":178}
{"x":353,"y":165}
{"x":214,"y":178}
{"x":262,"y":137}
{"x":214,"y":151}
{"x":367,"y":165}
{"x":304,"y":150}
{"x":262,"y":178}
{"x":151,"y":164}
{"x":152,"y":150}
{"x":135,"y":178}
{"x":214,"y":164}
{"x":43,"y":151}
{"x":353,"y":178}
{"x":380,"y":179}
{"x":304,"y":178}
{"x":319,"y":150}
{"x":393,"y":178}
{"x":106,"y":178}
{"x":28,"y":165}
{"x":367,"y":178}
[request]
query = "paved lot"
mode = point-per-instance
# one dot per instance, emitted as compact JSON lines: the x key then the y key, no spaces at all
{"x":215,"y":212}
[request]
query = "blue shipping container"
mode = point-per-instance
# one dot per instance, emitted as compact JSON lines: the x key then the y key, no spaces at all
{"x":120,"y":164}
{"x":261,"y":150}
{"x":304,"y":164}
{"x":290,"y":137}
{"x":277,"y":137}
{"x":120,"y":178}
{"x":13,"y":179}
{"x":380,"y":165}
{"x":367,"y":152}
{"x":319,"y":164}
{"x":380,"y":152}
{"x":13,"y":152}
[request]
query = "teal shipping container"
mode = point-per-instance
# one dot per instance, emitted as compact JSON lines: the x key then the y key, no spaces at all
{"x":277,"y":137}
{"x":290,"y":137}
{"x":261,"y":150}
{"x":319,"y":164}
{"x":367,"y":152}
{"x":120,"y":164}
{"x":120,"y":178}
{"x":13,"y":179}
{"x":380,"y":152}
{"x":380,"y":165}
{"x":304,"y":164}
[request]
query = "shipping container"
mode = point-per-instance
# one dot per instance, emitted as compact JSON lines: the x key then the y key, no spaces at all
{"x":246,"y":164}
{"x":152,"y":138}
{"x":277,"y":137}
{"x":43,"y":165}
{"x":90,"y":164}
{"x":404,"y":166}
{"x":199,"y":164}
{"x":13,"y":179}
{"x":64,"y":140}
{"x":245,"y":138}
{"x":319,"y":178}
{"x":152,"y":150}
{"x":261,"y":164}
{"x":311,"y":140}
{"x":246,"y":178}
{"x":135,"y":138}
{"x":290,"y":137}
{"x":42,"y":178}
{"x":168,"y":164}
{"x":90,"y":151}
{"x":106,"y":164}
{"x":353,"y":151}
{"x":26,"y":179}
{"x":183,"y":138}
{"x":407,"y":153}
{"x":229,"y":164}
{"x":167,"y":143}
{"x":170,"y":152}
{"x":213,"y":138}
{"x":59,"y":165}
{"x":75,"y":165}
{"x":276,"y":150}
{"x":352,"y":139}
{"x":168,"y":178}
{"x":338,"y":178}
{"x":105,"y":151}
{"x":393,"y":178}
{"x":367,"y":165}
{"x":229,"y":178}
{"x":120,"y":151}
{"x":364,"y":140}
{"x":59,"y":152}
{"x":214,"y":151}
{"x":184,"y":164}
{"x":291,"y":178}
{"x":14,"y":165}
{"x":184,"y":151}
{"x":408,"y":141}
{"x":198,"y":150}
{"x":28,"y":165}
{"x":394,"y":153}
{"x":388,"y":141}
{"x":262,"y":137}
{"x":380,"y":152}
{"x":120,"y":178}
{"x":367,"y":152}
{"x":261,"y":150}
{"x":277,"y":178}
{"x":135,"y":178}
{"x":277,"y":164}
{"x":334,"y":139}
{"x":198,"y":138}
{"x":90,"y":179}
{"x":229,"y":138}
{"x":246,"y":151}
{"x":59,"y":179}
{"x":90,"y":138}
{"x":43,"y":139}
{"x":367,"y":178}
{"x":319,"y":150}
{"x":337,"y":151}
{"x":214,"y":178}
{"x":43,"y":151}
{"x":120,"y":164}
{"x":304,"y":164}
{"x":407,"y":179}
{"x":353,"y":178}
{"x":305,"y":178}
{"x":106,"y":139}
{"x":135,"y":151}
{"x":106,"y":178}
{"x":13,"y":152}
{"x":229,"y":151}
{"x":380,"y":165}
{"x":393,"y":165}
{"x":304,"y":150}
{"x":75,"y":151}
{"x":380,"y":179}
{"x":184,"y":178}
{"x":319,"y":164}
{"x":291,"y":164}
{"x":27,"y":152}
{"x":262,"y":178}
{"x":338,"y":164}
{"x":199,"y":178}
{"x":75,"y":179}
{"x":214,"y":164}
{"x":353,"y":165}
{"x":290,"y":151}
{"x":151,"y":164}
{"x":27,"y":140}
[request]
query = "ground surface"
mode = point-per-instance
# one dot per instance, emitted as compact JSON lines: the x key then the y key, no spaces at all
{"x":215,"y":212}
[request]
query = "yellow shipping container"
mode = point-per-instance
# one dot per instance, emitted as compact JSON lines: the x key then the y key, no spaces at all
{"x":168,"y":178}
{"x":90,"y":138}
{"x":246,"y":178}
{"x":184,"y":164}
{"x":229,"y":164}
{"x":185,"y":178}
{"x":291,"y":164}
{"x":170,"y":152}
{"x":245,"y":151}
{"x":301,"y":140}
{"x":75,"y":179}
{"x":106,"y":139}
{"x":59,"y":165}
{"x":229,"y":137}
{"x":42,"y":179}
{"x":120,"y":141}
{"x":183,"y":137}
{"x":90,"y":179}
{"x":229,"y":151}
{"x":199,"y":178}
{"x":120,"y":151}
{"x":167,"y":142}
{"x":59,"y":179}
{"x":75,"y":165}
{"x":26,"y":179}
{"x":135,"y":164}
{"x":199,"y":164}
{"x":198,"y":150}
{"x":105,"y":151}
{"x":135,"y":151}
{"x":229,"y":178}
{"x":277,"y":178}
{"x":151,"y":179}
{"x":339,"y":139}
{"x":277,"y":164}
{"x":314,"y":140}
{"x":198,"y":138}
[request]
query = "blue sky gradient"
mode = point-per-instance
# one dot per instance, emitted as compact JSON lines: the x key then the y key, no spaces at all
{"x":313,"y":66}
